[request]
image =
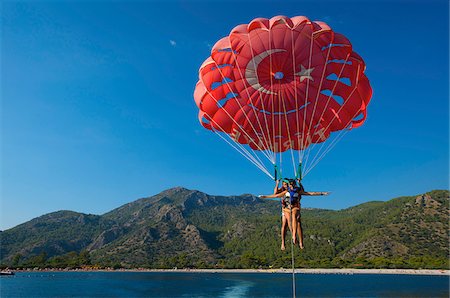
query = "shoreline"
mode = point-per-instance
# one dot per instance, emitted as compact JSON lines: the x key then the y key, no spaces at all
{"x":435,"y":272}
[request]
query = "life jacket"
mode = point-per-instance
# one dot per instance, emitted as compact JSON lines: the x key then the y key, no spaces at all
{"x":292,"y":197}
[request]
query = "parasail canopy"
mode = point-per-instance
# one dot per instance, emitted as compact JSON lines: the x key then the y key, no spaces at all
{"x":282,"y":85}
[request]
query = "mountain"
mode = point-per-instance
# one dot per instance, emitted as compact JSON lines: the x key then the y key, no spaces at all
{"x":188,"y":228}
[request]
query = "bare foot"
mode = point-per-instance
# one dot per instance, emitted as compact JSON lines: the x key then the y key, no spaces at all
{"x":282,"y":247}
{"x":294,"y":240}
{"x":301,"y":245}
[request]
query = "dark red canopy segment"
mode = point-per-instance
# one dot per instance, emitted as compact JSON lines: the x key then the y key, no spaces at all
{"x":281,"y":84}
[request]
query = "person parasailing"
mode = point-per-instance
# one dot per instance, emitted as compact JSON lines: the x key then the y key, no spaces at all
{"x":291,"y":208}
{"x":284,"y":221}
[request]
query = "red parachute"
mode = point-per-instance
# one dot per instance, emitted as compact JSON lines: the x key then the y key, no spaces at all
{"x":282,"y":84}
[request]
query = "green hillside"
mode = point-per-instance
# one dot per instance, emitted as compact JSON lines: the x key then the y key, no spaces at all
{"x":186,"y":228}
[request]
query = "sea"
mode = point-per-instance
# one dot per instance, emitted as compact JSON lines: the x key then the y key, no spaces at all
{"x":189,"y":284}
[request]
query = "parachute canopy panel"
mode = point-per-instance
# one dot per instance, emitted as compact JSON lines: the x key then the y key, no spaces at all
{"x":282,"y":84}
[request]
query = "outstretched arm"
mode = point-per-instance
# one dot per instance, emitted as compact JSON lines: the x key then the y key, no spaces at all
{"x":315,"y":193}
{"x":278,"y":195}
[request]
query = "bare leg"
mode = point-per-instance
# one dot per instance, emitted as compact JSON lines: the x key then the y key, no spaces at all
{"x":300,"y":233}
{"x":287,"y":216}
{"x":294,"y":224}
{"x":283,"y":231}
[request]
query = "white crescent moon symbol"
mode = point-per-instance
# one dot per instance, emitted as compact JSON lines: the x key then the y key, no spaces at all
{"x":251,"y":70}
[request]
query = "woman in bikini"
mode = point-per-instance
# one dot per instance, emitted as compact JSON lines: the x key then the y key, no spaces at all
{"x":284,"y":186}
{"x":291,"y":208}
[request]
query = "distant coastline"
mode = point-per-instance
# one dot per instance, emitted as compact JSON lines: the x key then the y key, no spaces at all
{"x":182,"y":228}
{"x":298,"y":271}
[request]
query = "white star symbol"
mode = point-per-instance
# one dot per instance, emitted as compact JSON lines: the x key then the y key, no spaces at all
{"x":305,"y":73}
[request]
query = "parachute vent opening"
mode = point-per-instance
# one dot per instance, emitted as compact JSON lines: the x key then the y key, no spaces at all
{"x":221,"y":66}
{"x":340,"y":61}
{"x":359,"y":117}
{"x":227,"y":50}
{"x":205,"y":121}
{"x":216,"y":85}
{"x":278,"y":75}
{"x":337,"y":98}
{"x":221,"y":102}
{"x":335,"y":77}
{"x":333,"y":45}
{"x":258,"y":110}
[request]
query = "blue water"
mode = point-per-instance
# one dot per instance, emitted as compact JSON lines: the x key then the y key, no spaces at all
{"x":156,"y":284}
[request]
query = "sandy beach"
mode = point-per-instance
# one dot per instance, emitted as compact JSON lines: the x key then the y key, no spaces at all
{"x":281,"y":270}
{"x":317,"y":271}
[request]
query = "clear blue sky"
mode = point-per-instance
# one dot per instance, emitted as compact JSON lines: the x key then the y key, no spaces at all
{"x":98,"y":110}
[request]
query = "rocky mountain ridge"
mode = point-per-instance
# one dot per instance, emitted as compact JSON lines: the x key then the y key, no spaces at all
{"x":188,"y":228}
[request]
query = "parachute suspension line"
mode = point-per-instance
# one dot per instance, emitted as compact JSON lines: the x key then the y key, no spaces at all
{"x":288,"y":132}
{"x":281,"y":162}
{"x":280,"y":128}
{"x":234,"y":121}
{"x":325,"y":108}
{"x":275,"y":149}
{"x":262,"y":102}
{"x":267,"y":143}
{"x":248,"y":155}
{"x":329,"y":148}
{"x":278,"y":146}
{"x":340,"y":135}
{"x":332,"y":144}
{"x":306,"y":99}
{"x":310,"y":127}
{"x":332,"y":91}
{"x":335,"y":140}
{"x":297,"y":131}
{"x":244,"y":152}
{"x":253,"y":158}
{"x":245,"y":114}
{"x":308,"y":150}
{"x":250,"y":158}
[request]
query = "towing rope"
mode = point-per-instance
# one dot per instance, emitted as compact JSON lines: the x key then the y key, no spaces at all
{"x":293,"y":231}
